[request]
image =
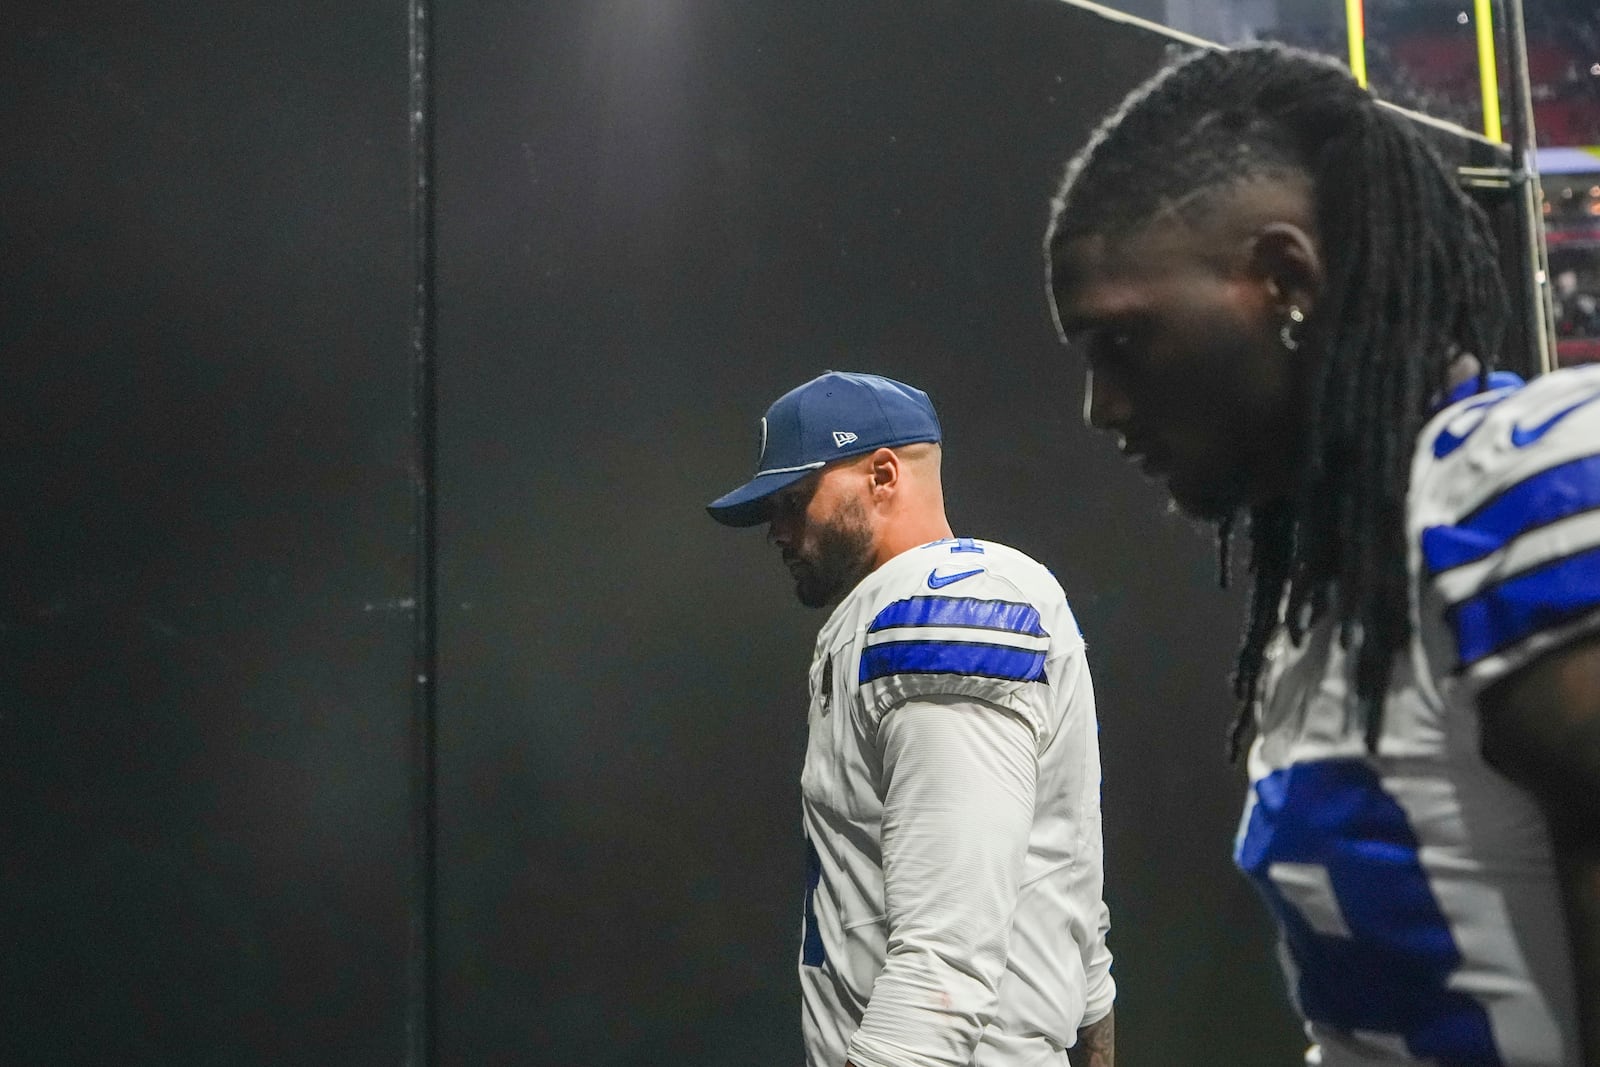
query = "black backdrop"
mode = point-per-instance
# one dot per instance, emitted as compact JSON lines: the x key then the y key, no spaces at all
{"x":652,"y":218}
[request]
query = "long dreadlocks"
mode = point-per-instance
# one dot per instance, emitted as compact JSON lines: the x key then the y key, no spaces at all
{"x":1412,"y":282}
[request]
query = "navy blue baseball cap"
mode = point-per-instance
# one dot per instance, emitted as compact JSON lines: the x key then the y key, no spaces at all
{"x":831,"y":417}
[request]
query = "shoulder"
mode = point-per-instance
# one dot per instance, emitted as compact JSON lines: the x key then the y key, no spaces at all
{"x":1504,"y":517}
{"x":960,"y":570}
{"x":1488,"y":442}
{"x":962,"y":618}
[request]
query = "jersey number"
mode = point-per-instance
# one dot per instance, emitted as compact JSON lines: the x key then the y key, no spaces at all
{"x":1337,"y":861}
{"x":811,"y":953}
{"x":960,"y":544}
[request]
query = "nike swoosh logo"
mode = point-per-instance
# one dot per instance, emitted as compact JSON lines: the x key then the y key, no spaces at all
{"x":1522,"y":438}
{"x":936,"y":581}
{"x":1463,"y":423}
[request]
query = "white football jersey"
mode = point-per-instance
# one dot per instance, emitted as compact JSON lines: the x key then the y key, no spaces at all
{"x":1415,"y":888}
{"x":951,"y":962}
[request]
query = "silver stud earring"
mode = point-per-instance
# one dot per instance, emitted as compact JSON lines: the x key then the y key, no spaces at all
{"x":1286,"y":331}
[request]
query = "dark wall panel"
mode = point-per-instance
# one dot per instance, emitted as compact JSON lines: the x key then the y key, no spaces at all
{"x":204,"y":690}
{"x":654,"y":217}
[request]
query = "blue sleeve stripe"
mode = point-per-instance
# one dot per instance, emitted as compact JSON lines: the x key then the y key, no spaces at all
{"x":1517,"y":608}
{"x":960,"y":611}
{"x":1551,"y":495}
{"x":950,"y":657}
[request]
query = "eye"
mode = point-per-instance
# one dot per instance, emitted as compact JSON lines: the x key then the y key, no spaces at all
{"x":789,"y":503}
{"x":1111,"y":343}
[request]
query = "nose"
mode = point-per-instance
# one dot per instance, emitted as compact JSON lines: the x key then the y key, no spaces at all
{"x":1105,"y":405}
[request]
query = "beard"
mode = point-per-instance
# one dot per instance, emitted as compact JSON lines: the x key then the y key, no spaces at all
{"x":839,"y":557}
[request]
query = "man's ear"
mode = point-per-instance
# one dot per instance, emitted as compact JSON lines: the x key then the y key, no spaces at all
{"x":884,"y":467}
{"x":1285,"y":258}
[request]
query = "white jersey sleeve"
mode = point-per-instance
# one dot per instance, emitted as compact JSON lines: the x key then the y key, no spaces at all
{"x":1101,"y":988}
{"x":959,"y":780}
{"x":1506,"y":526}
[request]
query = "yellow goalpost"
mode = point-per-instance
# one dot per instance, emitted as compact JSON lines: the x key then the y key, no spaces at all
{"x":1488,"y":78}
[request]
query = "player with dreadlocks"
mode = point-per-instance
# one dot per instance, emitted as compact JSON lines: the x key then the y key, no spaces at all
{"x":1288,"y":310}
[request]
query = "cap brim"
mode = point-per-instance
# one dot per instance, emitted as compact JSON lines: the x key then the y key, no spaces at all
{"x":747,"y":505}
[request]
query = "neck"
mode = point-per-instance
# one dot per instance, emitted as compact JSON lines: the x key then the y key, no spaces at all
{"x":910,"y":533}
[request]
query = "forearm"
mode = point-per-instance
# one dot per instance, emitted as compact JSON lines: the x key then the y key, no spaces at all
{"x":1096,"y":1045}
{"x":1541,"y":728}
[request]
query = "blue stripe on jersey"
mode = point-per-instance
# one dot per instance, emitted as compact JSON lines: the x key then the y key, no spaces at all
{"x":960,"y":611}
{"x":950,"y":657}
{"x":1519,"y":607}
{"x":1551,"y":495}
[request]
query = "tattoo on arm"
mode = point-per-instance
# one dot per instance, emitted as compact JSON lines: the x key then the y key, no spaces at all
{"x":1096,"y":1045}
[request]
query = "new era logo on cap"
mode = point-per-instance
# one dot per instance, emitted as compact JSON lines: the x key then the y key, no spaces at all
{"x":796,"y":439}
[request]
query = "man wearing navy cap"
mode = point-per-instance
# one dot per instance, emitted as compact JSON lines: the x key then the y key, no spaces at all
{"x":951,"y":787}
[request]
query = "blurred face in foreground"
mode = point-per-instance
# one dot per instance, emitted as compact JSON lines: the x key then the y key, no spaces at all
{"x":1180,"y":326}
